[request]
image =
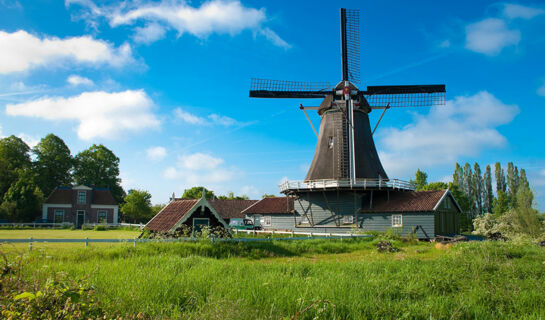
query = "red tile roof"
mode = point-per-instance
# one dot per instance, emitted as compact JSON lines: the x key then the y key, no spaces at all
{"x":60,"y":196}
{"x":170,"y":215}
{"x":228,"y":209}
{"x":406,"y":201}
{"x":271,"y":205}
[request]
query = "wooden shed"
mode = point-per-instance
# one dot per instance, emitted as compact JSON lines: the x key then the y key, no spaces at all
{"x":193,"y":213}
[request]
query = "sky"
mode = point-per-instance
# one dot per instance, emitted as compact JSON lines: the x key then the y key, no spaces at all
{"x":164,"y":85}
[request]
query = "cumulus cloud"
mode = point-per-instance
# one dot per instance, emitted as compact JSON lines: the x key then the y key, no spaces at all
{"x":30,"y":140}
{"x":213,"y":119}
{"x":490,"y":36}
{"x":200,"y":169}
{"x":156,"y":153}
{"x":463,"y":127}
{"x":513,"y":11}
{"x":215,"y":16}
{"x":150,"y":33}
{"x":250,"y":191}
{"x":76,"y":80}
{"x":100,"y":114}
{"x":22,"y":51}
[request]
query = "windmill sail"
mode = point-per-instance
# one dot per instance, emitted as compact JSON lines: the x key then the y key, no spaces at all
{"x":350,"y":44}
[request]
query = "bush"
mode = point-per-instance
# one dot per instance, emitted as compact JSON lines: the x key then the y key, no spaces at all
{"x":100,"y":227}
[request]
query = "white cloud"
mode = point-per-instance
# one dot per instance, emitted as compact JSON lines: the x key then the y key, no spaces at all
{"x":250,"y":191}
{"x":200,"y":169}
{"x":490,"y":36}
{"x":513,"y":11}
{"x":156,"y":153}
{"x":445,"y":44}
{"x":22,"y":51}
{"x":100,"y":114}
{"x":76,"y":80}
{"x":150,"y":33}
{"x":215,"y":16}
{"x":541,"y":90}
{"x":463,"y":127}
{"x":216,"y":119}
{"x":30,"y":140}
{"x":188,"y":117}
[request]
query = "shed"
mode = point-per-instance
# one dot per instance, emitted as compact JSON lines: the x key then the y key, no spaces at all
{"x":272,"y":212}
{"x":232,"y":208}
{"x":193,"y":213}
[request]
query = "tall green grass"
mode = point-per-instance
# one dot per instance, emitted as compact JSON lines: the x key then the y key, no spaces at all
{"x":323,"y":279}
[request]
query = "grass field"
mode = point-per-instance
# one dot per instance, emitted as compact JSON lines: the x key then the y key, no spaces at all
{"x":310,"y":279}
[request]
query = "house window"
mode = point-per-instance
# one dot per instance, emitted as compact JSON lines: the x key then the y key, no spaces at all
{"x":397,"y":220}
{"x":304,"y":220}
{"x":82,"y":197}
{"x":59,"y":216}
{"x":348,"y":219}
{"x":266,"y":221}
{"x":102,"y":216}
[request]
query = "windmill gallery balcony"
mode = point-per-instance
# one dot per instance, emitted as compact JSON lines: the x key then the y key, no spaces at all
{"x":333,"y":184}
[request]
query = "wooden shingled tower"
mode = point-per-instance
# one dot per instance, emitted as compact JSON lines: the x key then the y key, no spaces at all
{"x":346,"y":168}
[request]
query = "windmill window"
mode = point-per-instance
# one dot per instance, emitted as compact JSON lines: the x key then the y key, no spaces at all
{"x":348,"y":219}
{"x":266,"y":221}
{"x":330,"y":144}
{"x":397,"y":220}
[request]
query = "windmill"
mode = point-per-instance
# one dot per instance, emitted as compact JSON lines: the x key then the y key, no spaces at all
{"x":345,"y":159}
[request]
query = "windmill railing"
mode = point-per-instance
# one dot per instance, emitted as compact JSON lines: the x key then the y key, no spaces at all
{"x":328,"y":184}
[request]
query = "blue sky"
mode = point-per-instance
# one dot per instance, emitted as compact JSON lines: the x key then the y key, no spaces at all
{"x":165,"y":85}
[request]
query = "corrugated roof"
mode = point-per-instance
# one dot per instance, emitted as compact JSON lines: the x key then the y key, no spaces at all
{"x":271,"y":205}
{"x":170,"y":215}
{"x":229,"y":209}
{"x":406,"y":201}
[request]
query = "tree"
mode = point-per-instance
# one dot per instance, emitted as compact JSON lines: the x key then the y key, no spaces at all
{"x":477,"y":184}
{"x":53,"y":164}
{"x":231,"y":196}
{"x":420,"y":179}
{"x":458,"y":176}
{"x":14,"y":155}
{"x":500,"y":178}
{"x":196,"y":193}
{"x":468,"y":189}
{"x":523,"y":181}
{"x":500,"y":204}
{"x":137,"y":206}
{"x":23,"y":200}
{"x":511,"y":183}
{"x":267,"y":196}
{"x":488,"y":194}
{"x":435,"y":186}
{"x":99,"y":166}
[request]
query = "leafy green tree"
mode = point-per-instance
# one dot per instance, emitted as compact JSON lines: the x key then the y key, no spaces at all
{"x":420,"y":179}
{"x":231,"y":196}
{"x":458,"y":176}
{"x":435,"y":186}
{"x":99,"y":166}
{"x":53,"y":164}
{"x":512,"y":183}
{"x":23,"y":200}
{"x":523,"y":180}
{"x":196,"y":193}
{"x":488,"y":193}
{"x":469,"y":189}
{"x":500,"y":204}
{"x":137,"y":206}
{"x":14,"y":155}
{"x":267,"y":196}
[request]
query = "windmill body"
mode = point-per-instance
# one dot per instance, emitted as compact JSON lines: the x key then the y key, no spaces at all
{"x":346,"y":174}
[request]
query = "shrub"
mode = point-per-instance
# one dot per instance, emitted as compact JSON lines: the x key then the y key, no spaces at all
{"x":100,"y":227}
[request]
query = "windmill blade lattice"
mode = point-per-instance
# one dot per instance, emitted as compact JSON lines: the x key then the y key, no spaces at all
{"x":350,"y":44}
{"x":405,"y":96}
{"x":266,"y":88}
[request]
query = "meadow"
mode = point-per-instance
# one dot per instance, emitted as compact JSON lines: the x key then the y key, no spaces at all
{"x":308,"y":279}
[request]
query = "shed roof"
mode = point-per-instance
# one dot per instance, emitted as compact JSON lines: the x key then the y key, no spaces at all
{"x":171,"y":214}
{"x":229,"y":209}
{"x":271,"y":205}
{"x":407,"y":201}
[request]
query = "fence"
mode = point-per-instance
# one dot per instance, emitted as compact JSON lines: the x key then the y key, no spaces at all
{"x":292,"y":233}
{"x":134,"y":241}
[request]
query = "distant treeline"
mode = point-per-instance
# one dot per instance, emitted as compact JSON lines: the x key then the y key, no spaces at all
{"x":28,"y":176}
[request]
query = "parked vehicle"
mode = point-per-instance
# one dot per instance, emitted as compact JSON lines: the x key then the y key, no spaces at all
{"x":243,"y":224}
